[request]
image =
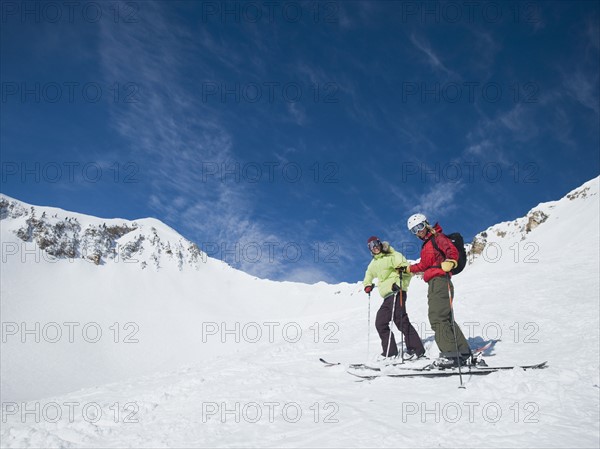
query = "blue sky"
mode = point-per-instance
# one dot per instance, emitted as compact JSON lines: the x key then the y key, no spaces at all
{"x":280,"y":135}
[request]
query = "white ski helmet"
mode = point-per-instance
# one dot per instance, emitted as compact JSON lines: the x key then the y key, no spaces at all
{"x":415,"y":219}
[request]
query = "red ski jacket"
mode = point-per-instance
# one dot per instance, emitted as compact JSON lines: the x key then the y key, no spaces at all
{"x":431,"y":259}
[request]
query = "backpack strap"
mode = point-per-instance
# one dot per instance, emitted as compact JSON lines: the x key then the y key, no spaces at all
{"x":437,"y":248}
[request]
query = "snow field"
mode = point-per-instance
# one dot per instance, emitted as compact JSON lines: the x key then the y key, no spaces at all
{"x":219,"y":361}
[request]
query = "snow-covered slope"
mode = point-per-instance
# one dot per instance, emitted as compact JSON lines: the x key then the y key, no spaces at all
{"x":230,"y":360}
{"x":87,"y":301}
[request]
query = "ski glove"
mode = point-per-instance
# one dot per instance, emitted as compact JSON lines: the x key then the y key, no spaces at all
{"x":395,"y":287}
{"x":369,"y":288}
{"x":404,"y":269}
{"x":448,"y":264}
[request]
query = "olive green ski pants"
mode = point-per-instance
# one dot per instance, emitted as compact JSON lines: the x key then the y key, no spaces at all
{"x":440,"y":319}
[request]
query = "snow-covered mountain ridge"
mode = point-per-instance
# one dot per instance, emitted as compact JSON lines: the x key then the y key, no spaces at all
{"x":520,"y":229}
{"x":65,"y":235}
{"x":150,"y":243}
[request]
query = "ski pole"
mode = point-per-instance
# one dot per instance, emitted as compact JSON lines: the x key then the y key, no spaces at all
{"x":454,"y":332}
{"x":369,"y":328}
{"x":400,"y":294}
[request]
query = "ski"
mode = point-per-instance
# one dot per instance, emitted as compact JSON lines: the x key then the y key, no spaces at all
{"x":329,"y":364}
{"x":408,"y":362}
{"x":435,"y":373}
{"x":395,"y":366}
{"x":365,"y":366}
{"x":524,"y":367}
{"x":467,"y":370}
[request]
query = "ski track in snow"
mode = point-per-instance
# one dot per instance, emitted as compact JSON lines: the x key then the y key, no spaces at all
{"x":278,"y":394}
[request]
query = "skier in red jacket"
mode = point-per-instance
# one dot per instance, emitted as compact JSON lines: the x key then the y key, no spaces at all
{"x":435,"y":264}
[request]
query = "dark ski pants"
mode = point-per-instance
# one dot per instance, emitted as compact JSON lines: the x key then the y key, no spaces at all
{"x":382,"y":323}
{"x":440,"y":318}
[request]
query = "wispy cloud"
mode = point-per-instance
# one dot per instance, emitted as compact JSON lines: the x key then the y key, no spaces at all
{"x":431,"y":199}
{"x":438,"y":200}
{"x":432,"y":58}
{"x":486,"y":46}
{"x":520,"y":122}
{"x":351,"y":15}
{"x":490,"y":138}
{"x":583,"y":87}
{"x":562,"y":127}
{"x":179,"y":139}
{"x":480,"y":149}
{"x":297,"y":113}
{"x":592,"y":31}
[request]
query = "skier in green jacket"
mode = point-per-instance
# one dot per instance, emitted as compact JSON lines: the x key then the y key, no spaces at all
{"x":385,"y":266}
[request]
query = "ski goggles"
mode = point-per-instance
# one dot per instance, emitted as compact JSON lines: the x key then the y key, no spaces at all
{"x":374,"y":244}
{"x":418,"y":228}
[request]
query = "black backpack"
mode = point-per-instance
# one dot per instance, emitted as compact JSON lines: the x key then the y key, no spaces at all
{"x":459,"y":244}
